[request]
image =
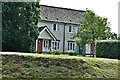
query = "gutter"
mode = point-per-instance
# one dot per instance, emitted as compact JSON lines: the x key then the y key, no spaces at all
{"x":64,"y":39}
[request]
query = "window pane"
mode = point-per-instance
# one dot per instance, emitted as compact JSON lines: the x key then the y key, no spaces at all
{"x":73,"y":46}
{"x":58,"y":27}
{"x":44,"y":43}
{"x":73,"y":29}
{"x":69,"y":28}
{"x":58,"y":45}
{"x":54,"y":27}
{"x":55,"y":45}
{"x":52,"y":45}
{"x":68,"y":46}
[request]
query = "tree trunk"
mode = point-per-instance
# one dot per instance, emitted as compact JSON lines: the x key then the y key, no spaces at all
{"x":94,"y":49}
{"x":83,"y":52}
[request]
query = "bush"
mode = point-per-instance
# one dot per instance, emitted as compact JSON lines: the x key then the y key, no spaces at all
{"x":71,"y":52}
{"x":57,"y":52}
{"x":49,"y":52}
{"x":108,"y":49}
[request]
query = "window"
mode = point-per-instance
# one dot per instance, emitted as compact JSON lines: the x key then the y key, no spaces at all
{"x":55,"y":45}
{"x":71,"y":46}
{"x":71,"y":29}
{"x":56,"y":27}
{"x":46,"y":44}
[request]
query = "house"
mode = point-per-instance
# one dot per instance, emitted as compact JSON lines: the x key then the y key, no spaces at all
{"x":55,"y":27}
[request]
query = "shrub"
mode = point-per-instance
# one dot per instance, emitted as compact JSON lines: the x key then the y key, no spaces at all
{"x":71,"y":52}
{"x":108,"y":49}
{"x":57,"y":52}
{"x":49,"y":52}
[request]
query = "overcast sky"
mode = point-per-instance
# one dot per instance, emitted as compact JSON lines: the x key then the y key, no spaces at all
{"x":103,"y":8}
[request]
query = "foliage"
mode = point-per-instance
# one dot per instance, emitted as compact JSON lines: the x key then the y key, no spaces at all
{"x":118,"y":37}
{"x":108,"y":49}
{"x":92,"y":27}
{"x":114,"y":36}
{"x":19,"y":21}
{"x":49,"y":52}
{"x":71,"y":52}
{"x":56,"y":52}
{"x":40,"y":66}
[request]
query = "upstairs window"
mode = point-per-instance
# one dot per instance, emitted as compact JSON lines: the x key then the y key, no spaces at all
{"x":56,"y":27}
{"x":71,"y":29}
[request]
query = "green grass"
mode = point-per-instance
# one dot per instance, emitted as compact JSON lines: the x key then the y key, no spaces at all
{"x":20,"y":65}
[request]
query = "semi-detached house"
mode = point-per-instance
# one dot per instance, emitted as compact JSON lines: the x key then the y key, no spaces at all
{"x":55,"y":27}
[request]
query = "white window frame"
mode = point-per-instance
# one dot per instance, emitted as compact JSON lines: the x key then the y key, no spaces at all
{"x":72,"y":29}
{"x":45,"y":45}
{"x":57,"y":46}
{"x":57,"y":27}
{"x":71,"y":46}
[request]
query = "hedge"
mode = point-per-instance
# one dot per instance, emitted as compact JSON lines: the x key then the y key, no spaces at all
{"x":108,"y":49}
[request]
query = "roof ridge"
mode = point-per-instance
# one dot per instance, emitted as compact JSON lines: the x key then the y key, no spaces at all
{"x":58,"y":14}
{"x":62,"y":8}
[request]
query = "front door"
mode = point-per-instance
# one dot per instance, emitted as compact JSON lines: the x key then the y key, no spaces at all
{"x":39,"y":49}
{"x":45,"y":45}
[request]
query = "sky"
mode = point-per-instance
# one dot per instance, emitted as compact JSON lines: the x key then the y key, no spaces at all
{"x":103,"y":8}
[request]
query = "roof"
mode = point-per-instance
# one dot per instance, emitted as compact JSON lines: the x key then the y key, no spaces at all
{"x":58,"y":14}
{"x":43,"y":28}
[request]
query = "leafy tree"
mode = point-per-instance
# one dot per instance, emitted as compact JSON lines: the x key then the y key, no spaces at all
{"x":19,"y":25}
{"x":114,"y":36}
{"x":92,"y":28}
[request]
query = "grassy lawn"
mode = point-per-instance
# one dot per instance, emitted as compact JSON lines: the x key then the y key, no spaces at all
{"x":27,"y":65}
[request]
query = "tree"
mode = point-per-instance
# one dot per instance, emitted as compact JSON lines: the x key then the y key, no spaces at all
{"x":92,"y":28}
{"x":19,"y":25}
{"x":118,"y":37}
{"x":114,"y":36}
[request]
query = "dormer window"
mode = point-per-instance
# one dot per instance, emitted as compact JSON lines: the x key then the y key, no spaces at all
{"x":56,"y":27}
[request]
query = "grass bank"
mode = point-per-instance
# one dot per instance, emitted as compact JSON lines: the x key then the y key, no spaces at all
{"x":20,"y":65}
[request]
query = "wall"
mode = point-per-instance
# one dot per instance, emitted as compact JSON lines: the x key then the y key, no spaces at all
{"x":59,"y":34}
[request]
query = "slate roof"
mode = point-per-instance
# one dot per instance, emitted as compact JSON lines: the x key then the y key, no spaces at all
{"x":58,"y":14}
